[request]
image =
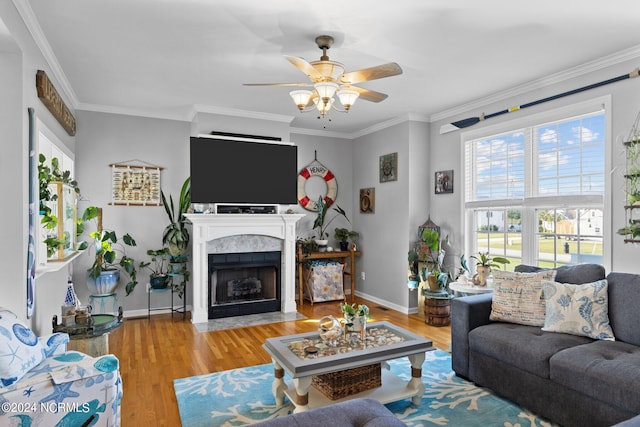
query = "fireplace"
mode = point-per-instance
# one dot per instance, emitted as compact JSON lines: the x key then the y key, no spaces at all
{"x":243,"y":283}
{"x":210,"y":228}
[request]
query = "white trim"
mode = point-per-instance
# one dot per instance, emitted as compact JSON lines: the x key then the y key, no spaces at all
{"x":571,"y":73}
{"x":31,"y":22}
{"x":529,"y":224}
{"x":199,"y":108}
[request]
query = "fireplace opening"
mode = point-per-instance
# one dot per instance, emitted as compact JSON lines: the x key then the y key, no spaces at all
{"x":243,"y":283}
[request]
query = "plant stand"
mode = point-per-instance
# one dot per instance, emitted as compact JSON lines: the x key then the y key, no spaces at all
{"x":437,"y":309}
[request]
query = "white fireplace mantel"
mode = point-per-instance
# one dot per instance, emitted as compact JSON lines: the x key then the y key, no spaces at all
{"x":207,"y":227}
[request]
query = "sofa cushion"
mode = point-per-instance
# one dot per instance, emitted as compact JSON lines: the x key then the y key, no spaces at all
{"x":605,"y":370}
{"x":578,"y":309}
{"x":20,"y":349}
{"x":581,"y":273}
{"x":624,"y":300}
{"x":517,"y":297}
{"x":525,"y":347}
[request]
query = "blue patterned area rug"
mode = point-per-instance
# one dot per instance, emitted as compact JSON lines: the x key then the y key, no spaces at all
{"x":243,"y":396}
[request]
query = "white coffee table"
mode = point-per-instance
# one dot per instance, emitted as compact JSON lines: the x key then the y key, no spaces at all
{"x":302,"y":368}
{"x":469,"y":289}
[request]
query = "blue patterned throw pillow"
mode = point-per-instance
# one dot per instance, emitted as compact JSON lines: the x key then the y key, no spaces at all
{"x":20,"y":349}
{"x":578,"y":309}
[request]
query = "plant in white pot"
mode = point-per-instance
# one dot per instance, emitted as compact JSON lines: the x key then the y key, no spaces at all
{"x":355,"y":318}
{"x":110,"y":258}
{"x":484,"y":262}
{"x":321,"y":223}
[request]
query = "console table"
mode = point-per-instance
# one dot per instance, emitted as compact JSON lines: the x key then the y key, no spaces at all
{"x":302,"y":257}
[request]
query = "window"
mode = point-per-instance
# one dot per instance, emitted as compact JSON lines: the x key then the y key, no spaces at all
{"x":535,"y":193}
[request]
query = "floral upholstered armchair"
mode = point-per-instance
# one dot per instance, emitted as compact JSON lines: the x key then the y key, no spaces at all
{"x":42,"y":384}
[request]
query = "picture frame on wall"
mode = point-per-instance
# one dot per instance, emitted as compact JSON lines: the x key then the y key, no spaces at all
{"x":389,"y":167}
{"x":444,"y":182}
{"x":367,"y":200}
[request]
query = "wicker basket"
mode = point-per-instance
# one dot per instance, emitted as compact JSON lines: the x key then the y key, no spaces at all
{"x":337,"y":385}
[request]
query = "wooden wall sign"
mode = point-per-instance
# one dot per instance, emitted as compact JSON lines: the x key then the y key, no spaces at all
{"x":54,"y":103}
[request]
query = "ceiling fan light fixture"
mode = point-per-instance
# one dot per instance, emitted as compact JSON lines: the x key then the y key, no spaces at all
{"x":301,"y":98}
{"x":326,"y":90}
{"x":323,"y":106}
{"x":347,"y":97}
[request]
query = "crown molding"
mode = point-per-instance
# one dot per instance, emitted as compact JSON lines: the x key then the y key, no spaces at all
{"x":234,"y":112}
{"x":182,"y":116}
{"x":62,"y":83}
{"x":366,"y":131}
{"x":570,"y":73}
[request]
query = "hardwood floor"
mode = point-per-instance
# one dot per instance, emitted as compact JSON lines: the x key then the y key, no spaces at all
{"x":154,"y":352}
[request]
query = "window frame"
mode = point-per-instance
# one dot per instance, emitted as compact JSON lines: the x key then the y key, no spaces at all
{"x":529,"y":221}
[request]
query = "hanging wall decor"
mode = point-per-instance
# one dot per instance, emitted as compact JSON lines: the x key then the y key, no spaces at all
{"x":389,"y":167}
{"x":135,"y":185}
{"x":316,"y":168}
{"x":444,"y":182}
{"x":367,"y":200}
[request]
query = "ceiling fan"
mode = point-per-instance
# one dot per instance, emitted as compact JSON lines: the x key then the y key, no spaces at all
{"x":328,"y":78}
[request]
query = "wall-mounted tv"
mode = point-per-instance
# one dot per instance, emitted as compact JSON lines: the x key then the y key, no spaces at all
{"x":237,"y":171}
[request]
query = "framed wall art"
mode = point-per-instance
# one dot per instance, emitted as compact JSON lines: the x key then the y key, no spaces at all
{"x":135,"y":185}
{"x":389,"y":167}
{"x":367,"y":200}
{"x":444,"y":182}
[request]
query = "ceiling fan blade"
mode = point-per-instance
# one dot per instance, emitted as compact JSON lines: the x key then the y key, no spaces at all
{"x":373,"y":73}
{"x":305,"y":67}
{"x":370,"y":95}
{"x":279,"y":84}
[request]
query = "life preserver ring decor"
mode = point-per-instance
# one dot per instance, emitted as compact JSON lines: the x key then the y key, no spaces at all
{"x":316,"y":168}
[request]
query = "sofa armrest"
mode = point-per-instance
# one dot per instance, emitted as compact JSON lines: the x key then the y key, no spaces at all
{"x":467,"y":313}
{"x":54,"y":344}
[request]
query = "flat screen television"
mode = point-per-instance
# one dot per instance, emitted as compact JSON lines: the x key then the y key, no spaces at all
{"x":233,"y":171}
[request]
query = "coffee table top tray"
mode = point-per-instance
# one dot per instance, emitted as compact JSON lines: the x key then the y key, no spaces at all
{"x":296,"y":366}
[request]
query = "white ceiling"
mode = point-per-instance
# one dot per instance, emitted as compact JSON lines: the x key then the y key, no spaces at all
{"x":163,"y":57}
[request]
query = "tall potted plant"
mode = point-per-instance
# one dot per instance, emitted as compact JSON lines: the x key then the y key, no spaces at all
{"x":321,"y":223}
{"x":176,"y":235}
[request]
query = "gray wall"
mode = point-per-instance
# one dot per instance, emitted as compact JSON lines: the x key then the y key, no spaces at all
{"x":400,"y":207}
{"x":20,"y":58}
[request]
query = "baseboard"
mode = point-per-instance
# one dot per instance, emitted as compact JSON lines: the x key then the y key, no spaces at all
{"x":396,"y":307}
{"x":144,"y":312}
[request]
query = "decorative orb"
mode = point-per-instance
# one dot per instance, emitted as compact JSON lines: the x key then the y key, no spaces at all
{"x":330,"y":330}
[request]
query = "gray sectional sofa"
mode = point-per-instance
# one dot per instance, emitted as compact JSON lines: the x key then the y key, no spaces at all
{"x":572,"y":380}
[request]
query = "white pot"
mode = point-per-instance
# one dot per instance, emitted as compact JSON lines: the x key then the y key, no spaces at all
{"x":322,"y":244}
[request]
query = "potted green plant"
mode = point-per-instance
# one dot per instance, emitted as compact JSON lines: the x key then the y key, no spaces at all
{"x":355,"y":318}
{"x":484,"y":262}
{"x":321,"y":223}
{"x":176,"y":234}
{"x":46,"y":176}
{"x":414,"y":279}
{"x":343,"y":236}
{"x":159,"y":268}
{"x":110,"y":257}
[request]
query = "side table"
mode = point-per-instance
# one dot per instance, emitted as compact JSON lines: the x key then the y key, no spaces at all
{"x":469,"y":289}
{"x":100,"y":307}
{"x":91,"y":338}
